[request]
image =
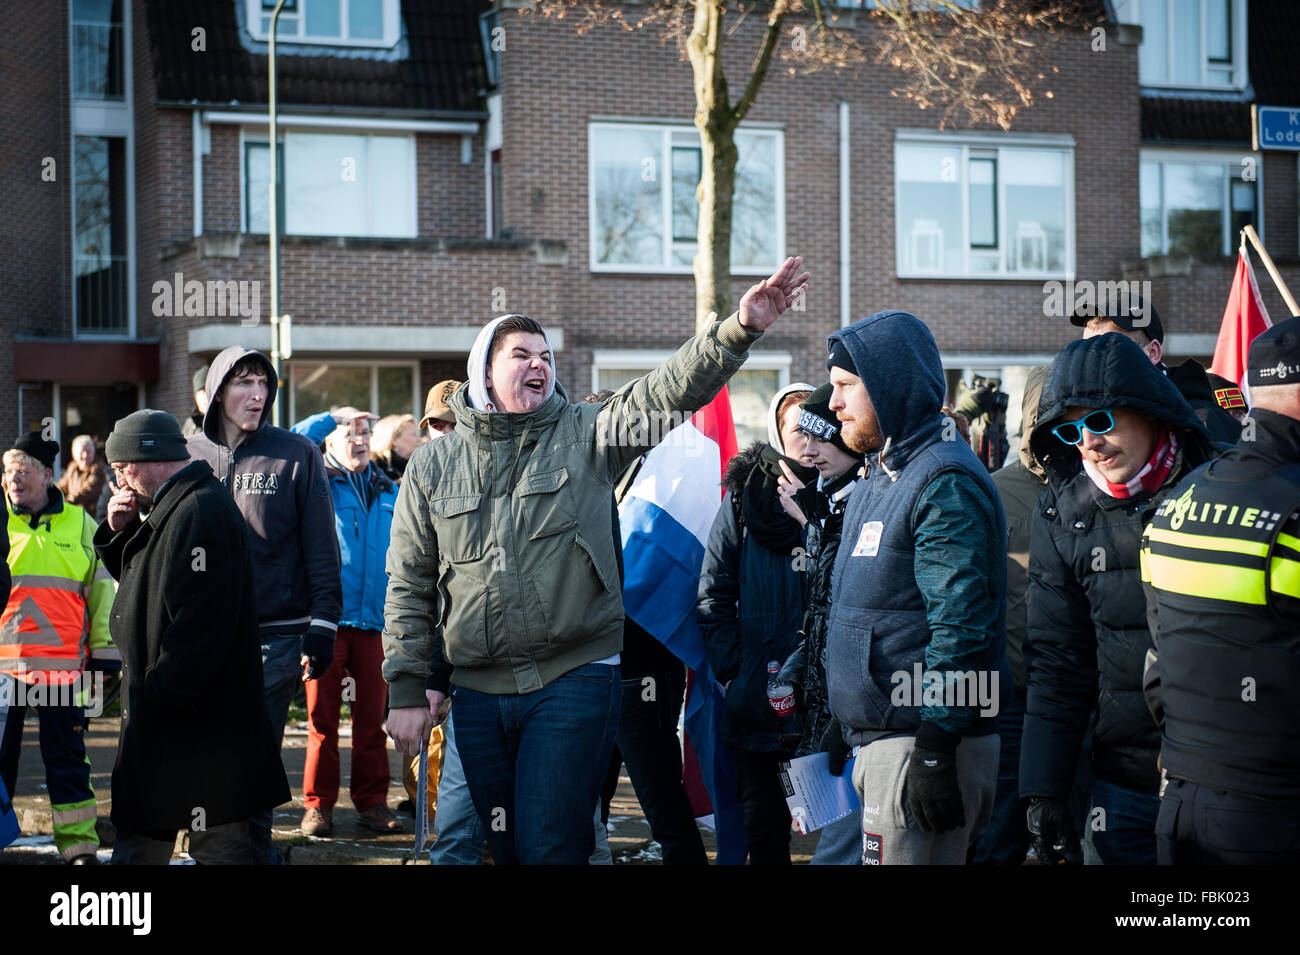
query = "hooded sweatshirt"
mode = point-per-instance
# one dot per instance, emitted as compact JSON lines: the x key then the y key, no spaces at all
{"x":919,"y":582}
{"x":477,"y":365}
{"x":278,"y":481}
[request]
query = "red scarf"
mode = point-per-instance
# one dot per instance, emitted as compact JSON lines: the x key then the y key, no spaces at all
{"x":1153,"y":474}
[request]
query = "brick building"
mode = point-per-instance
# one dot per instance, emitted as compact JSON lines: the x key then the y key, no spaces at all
{"x":447,"y":161}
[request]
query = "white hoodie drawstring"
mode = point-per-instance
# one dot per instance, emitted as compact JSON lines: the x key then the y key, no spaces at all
{"x":893,"y":475}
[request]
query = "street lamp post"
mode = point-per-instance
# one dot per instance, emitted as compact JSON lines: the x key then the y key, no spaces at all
{"x":277,"y":362}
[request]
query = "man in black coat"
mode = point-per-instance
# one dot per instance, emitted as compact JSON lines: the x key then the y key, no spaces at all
{"x":196,"y":751}
{"x":1114,"y":436}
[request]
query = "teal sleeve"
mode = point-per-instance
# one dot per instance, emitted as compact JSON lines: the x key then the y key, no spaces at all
{"x":956,"y":535}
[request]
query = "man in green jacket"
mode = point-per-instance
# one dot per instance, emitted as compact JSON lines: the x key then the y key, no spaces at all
{"x":503,"y":580}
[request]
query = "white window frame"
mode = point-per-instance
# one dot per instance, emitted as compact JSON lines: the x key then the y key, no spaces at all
{"x":994,"y":365}
{"x":112,"y":119}
{"x":666,"y":130}
{"x":1129,"y":11}
{"x":967,"y":142}
{"x":1226,"y":157}
{"x":254,"y":135}
{"x":392,"y":28}
{"x":295,"y":367}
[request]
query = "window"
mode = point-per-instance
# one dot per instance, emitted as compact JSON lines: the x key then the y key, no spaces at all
{"x":97,"y":49}
{"x":1192,"y":43}
{"x":966,"y":207}
{"x":643,"y":212}
{"x":100,"y":254}
{"x":384,"y":388}
{"x":335,"y":184}
{"x":332,"y":22}
{"x":750,"y":390}
{"x":1197,"y":204}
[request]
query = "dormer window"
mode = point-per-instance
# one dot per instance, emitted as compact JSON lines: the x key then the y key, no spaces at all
{"x":373,"y":23}
{"x":1192,"y":44}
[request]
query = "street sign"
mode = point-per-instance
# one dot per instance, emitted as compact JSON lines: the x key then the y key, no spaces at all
{"x":1275,"y":127}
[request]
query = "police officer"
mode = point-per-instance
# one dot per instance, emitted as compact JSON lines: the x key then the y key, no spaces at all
{"x":1222,"y":560}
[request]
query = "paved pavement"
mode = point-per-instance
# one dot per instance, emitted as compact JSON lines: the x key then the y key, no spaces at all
{"x":350,"y":844}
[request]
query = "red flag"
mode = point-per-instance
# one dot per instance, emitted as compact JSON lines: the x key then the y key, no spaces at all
{"x":1243,"y":320}
{"x":714,"y":421}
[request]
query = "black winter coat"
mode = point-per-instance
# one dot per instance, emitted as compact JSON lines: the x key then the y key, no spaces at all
{"x":1086,"y":632}
{"x":195,"y":732}
{"x":751,"y":601}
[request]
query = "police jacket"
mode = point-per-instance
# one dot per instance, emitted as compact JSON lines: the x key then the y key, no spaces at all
{"x":1222,"y":556}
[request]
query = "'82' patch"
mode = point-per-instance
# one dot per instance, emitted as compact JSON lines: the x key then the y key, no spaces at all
{"x":872,"y":848}
{"x":868,"y":544}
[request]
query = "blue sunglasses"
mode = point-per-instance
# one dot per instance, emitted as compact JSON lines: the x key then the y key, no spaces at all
{"x":1098,"y":422}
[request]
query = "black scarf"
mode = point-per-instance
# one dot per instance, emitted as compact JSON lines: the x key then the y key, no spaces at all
{"x":768,"y":523}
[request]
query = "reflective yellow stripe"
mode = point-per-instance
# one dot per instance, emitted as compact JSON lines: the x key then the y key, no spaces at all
{"x":1230,"y":545}
{"x":1286,"y":540}
{"x":1200,"y":579}
{"x":1285,"y":577}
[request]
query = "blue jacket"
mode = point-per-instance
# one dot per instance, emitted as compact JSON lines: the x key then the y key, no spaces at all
{"x":919,"y":582}
{"x":363,"y":545}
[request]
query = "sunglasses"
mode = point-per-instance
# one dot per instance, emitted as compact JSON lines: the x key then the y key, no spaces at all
{"x":1098,"y":422}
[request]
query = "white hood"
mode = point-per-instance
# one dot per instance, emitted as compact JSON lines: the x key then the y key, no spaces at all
{"x":476,"y":367}
{"x":773,"y":425}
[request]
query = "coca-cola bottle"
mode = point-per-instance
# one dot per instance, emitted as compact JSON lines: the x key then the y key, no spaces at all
{"x":780,"y":696}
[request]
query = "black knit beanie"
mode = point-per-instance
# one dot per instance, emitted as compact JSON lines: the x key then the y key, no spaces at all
{"x":840,"y":358}
{"x":33,"y":444}
{"x":816,"y":417}
{"x":146,"y":436}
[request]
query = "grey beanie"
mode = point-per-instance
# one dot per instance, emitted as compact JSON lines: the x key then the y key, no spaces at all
{"x":146,"y":435}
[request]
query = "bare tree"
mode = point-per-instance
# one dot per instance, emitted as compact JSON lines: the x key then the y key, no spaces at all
{"x":977,"y":60}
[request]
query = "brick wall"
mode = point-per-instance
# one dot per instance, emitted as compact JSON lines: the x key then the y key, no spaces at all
{"x":35,"y":248}
{"x":547,"y":110}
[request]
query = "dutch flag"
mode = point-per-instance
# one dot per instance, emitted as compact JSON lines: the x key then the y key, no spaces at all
{"x":666,"y":515}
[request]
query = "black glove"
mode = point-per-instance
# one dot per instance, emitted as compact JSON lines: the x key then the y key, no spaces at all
{"x":834,"y":746}
{"x":1049,"y":822}
{"x":318,"y":648}
{"x":932,"y":791}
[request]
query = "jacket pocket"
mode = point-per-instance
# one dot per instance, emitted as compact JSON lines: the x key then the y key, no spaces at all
{"x":464,"y":620}
{"x":576,"y":595}
{"x":458,"y":526}
{"x":854,"y":696}
{"x":546,"y":506}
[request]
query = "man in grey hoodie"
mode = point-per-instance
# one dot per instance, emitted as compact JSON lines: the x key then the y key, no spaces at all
{"x":278,"y":481}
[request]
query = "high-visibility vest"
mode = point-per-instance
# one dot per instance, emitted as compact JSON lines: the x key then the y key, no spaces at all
{"x":58,"y":605}
{"x":1222,"y":553}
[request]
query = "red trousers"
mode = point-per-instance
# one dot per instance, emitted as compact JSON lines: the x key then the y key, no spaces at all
{"x":354,"y":676}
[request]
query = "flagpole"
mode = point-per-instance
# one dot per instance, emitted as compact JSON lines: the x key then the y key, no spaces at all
{"x":1249,"y":233}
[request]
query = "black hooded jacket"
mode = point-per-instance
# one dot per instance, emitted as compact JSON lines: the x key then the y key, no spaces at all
{"x":752,"y":597}
{"x":1087,"y":635}
{"x":278,"y":481}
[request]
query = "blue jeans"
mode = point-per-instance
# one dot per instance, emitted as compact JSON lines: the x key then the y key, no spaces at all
{"x":460,"y":833}
{"x":841,"y":841}
{"x":281,"y":674}
{"x":535,"y":763}
{"x":1121,"y":826}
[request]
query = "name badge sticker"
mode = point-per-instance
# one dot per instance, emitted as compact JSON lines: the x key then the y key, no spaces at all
{"x":868,"y":544}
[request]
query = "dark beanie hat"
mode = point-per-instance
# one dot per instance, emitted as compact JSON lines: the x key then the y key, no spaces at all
{"x":42,"y":450}
{"x":840,"y":357}
{"x":1275,"y":355}
{"x":146,"y":436}
{"x":816,"y":417}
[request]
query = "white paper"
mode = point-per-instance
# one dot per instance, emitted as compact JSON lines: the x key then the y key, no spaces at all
{"x":815,"y":797}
